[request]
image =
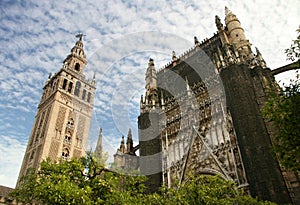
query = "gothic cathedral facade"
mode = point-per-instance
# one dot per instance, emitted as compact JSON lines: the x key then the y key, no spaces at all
{"x":62,"y":122}
{"x":201,"y":114}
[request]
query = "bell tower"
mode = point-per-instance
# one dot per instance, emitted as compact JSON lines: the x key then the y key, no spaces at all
{"x":62,"y":121}
{"x":236,"y":35}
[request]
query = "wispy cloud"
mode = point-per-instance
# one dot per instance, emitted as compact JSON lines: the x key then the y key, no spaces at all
{"x":36,"y":36}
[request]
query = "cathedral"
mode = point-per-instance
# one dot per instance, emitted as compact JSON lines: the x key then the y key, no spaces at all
{"x":62,"y":121}
{"x":201,"y":114}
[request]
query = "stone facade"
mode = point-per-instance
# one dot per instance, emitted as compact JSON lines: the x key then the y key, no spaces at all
{"x":201,"y":114}
{"x":62,"y":122}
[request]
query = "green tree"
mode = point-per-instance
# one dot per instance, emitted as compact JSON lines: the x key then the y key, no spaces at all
{"x":202,"y":189}
{"x":293,"y":52}
{"x":87,"y":181}
{"x":283,"y":108}
{"x":77,"y":181}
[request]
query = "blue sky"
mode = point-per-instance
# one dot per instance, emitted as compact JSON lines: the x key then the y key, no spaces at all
{"x":36,"y":36}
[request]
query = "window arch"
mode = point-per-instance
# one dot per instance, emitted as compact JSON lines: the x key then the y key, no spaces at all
{"x":77,"y":88}
{"x":65,"y":153}
{"x":68,"y":138}
{"x":89,"y":97}
{"x":64,"y":86}
{"x":83,"y":94}
{"x":70,"y":87}
{"x":77,"y":67}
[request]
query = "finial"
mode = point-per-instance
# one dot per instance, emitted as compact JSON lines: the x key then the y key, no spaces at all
{"x":174,"y":58}
{"x":226,"y":10}
{"x":80,"y":35}
{"x":50,"y":74}
{"x":100,"y":130}
{"x":151,"y":62}
{"x":218,"y":22}
{"x":257,"y":51}
{"x":196,"y":40}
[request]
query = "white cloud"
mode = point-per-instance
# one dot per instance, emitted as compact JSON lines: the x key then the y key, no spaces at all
{"x":36,"y":36}
{"x":12,"y":151}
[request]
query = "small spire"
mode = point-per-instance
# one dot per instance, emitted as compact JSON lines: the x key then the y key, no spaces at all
{"x":151,"y":62}
{"x":174,"y":58}
{"x":227,"y":11}
{"x":98,"y":149}
{"x":188,"y":89}
{"x":50,"y":75}
{"x":196,"y":42}
{"x":129,"y":142}
{"x":122,"y":146}
{"x":229,"y":15}
{"x":162,"y":101}
{"x":218,"y":23}
{"x":257,"y":52}
{"x":129,"y":135}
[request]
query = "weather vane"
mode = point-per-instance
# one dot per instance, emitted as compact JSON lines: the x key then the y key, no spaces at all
{"x":80,"y":35}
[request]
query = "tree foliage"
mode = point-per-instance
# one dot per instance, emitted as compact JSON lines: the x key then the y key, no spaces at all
{"x":293,"y":52}
{"x":87,"y":181}
{"x":78,"y":181}
{"x":204,"y":189}
{"x":283,"y":108}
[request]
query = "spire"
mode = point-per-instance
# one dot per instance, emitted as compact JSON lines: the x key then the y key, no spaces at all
{"x":257,"y":52}
{"x":229,"y":16}
{"x":129,"y":143}
{"x":196,"y":42}
{"x":227,"y":11}
{"x":218,"y":23}
{"x":260,"y":59}
{"x":151,"y":78}
{"x":174,"y":57}
{"x":76,"y":60}
{"x":151,"y":97}
{"x":188,"y":89}
{"x":98,"y":149}
{"x":122,"y":146}
{"x":236,"y":36}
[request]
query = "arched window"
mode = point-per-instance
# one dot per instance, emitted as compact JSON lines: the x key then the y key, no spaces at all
{"x":70,"y":87}
{"x":71,"y":122}
{"x":65,"y":84}
{"x":65,"y":153}
{"x":68,"y":138}
{"x":77,"y":67}
{"x":83,"y":94}
{"x":77,"y":88}
{"x":89,"y":97}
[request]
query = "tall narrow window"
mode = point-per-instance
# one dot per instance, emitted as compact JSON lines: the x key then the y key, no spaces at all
{"x":89,"y":97}
{"x":65,"y":153}
{"x":70,"y":87}
{"x":65,"y":84}
{"x":83,"y":94}
{"x":68,"y":138}
{"x":77,"y":88}
{"x":77,"y":67}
